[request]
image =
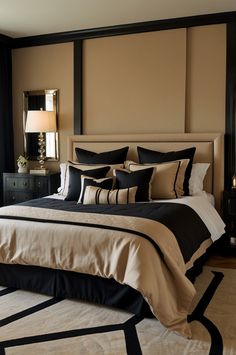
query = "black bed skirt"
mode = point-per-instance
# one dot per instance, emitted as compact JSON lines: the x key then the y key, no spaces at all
{"x":67,"y":284}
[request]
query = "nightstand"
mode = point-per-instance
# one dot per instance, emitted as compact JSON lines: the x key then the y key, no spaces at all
{"x":22,"y":187}
{"x":229,"y":215}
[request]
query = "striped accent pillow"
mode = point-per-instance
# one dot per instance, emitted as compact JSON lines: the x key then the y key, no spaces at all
{"x":96,"y":196}
{"x":105,"y":183}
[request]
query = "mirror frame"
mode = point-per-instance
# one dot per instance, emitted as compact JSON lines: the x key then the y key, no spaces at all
{"x":26,"y":94}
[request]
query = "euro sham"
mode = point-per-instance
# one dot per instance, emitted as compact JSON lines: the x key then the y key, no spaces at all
{"x":116,"y":156}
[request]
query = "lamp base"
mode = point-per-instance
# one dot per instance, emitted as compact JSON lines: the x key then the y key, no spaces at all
{"x":39,"y":171}
{"x":41,"y":150}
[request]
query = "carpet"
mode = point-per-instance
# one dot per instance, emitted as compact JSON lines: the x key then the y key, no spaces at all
{"x":37,"y":324}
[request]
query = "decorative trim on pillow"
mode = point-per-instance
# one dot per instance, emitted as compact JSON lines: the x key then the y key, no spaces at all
{"x":104,"y":183}
{"x":142,"y":179}
{"x":74,"y":187}
{"x":98,"y":196}
{"x":116,"y":156}
{"x":148,"y":156}
{"x":168,"y":178}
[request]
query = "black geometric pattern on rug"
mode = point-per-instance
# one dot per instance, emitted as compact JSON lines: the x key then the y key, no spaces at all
{"x":198,"y":315}
{"x":7,"y":290}
{"x":132,"y":342}
{"x":128,"y":327}
{"x":29,"y":311}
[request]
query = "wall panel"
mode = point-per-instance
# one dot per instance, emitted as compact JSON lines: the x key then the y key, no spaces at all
{"x":135,"y":83}
{"x":44,"y":67}
{"x":206,"y":76}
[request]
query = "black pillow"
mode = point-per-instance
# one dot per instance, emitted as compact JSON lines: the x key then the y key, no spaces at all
{"x":141,"y":179}
{"x":105,"y":183}
{"x":117,"y":156}
{"x":147,"y":156}
{"x":74,"y":187}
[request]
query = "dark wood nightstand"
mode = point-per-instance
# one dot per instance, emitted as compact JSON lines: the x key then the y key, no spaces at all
{"x":22,"y":187}
{"x":229,"y":215}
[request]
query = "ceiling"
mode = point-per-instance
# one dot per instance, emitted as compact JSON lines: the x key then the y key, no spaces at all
{"x":20,"y":18}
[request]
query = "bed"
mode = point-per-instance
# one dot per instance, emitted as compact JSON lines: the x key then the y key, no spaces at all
{"x":136,"y":256}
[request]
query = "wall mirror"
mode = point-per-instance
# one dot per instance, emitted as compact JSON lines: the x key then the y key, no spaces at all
{"x":36,"y":100}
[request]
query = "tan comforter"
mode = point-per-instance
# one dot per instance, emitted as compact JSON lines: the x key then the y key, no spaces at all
{"x":123,"y":256}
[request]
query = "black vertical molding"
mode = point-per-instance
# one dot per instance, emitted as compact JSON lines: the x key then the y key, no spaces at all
{"x":230,"y":104}
{"x":78,"y":86}
{"x":6,"y":120}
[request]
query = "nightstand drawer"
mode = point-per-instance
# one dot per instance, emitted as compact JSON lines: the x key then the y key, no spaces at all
{"x":40,"y":186}
{"x":19,"y":183}
{"x":231,"y":206}
{"x":229,"y":215}
{"x":23,"y":187}
{"x":25,"y":184}
{"x":12,"y":197}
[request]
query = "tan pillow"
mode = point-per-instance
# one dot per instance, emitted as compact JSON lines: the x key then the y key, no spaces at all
{"x":95,"y":195}
{"x":168,"y":177}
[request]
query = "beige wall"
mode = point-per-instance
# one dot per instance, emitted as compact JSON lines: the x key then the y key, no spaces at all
{"x":44,"y":67}
{"x":185,"y":70}
{"x":135,"y":83}
{"x":206,"y":75}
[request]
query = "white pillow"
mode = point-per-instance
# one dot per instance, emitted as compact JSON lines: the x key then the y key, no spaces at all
{"x":63,"y":189}
{"x":198,"y":174}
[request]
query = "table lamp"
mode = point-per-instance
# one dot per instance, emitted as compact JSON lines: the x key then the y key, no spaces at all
{"x":39,"y":121}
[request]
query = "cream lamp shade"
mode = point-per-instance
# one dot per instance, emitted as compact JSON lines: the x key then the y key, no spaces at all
{"x":41,"y":121}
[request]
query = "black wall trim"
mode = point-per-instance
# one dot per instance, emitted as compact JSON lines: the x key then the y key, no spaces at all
{"x":78,"y":86}
{"x":230,"y":104}
{"x":158,"y":25}
{"x":6,"y":118}
{"x":6,"y":40}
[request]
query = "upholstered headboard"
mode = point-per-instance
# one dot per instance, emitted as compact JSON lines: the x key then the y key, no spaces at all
{"x":209,"y":149}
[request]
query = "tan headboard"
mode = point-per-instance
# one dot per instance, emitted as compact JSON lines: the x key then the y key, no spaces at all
{"x":210,"y":149}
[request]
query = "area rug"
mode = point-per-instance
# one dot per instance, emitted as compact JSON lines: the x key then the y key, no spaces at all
{"x":37,"y":324}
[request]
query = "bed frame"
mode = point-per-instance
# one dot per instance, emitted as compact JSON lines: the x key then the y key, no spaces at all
{"x":65,"y":284}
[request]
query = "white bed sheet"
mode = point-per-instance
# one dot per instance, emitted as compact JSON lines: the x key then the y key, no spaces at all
{"x":203,"y":205}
